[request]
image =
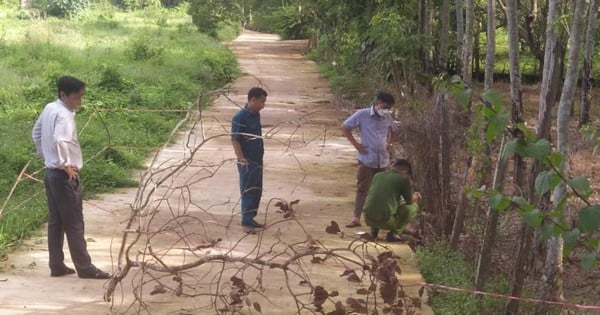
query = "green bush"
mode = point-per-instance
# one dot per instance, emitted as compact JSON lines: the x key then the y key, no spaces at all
{"x":136,"y":4}
{"x":66,"y":8}
{"x":208,"y":14}
{"x":286,"y":21}
{"x":441,"y":265}
{"x":141,"y":47}
{"x":113,"y":79}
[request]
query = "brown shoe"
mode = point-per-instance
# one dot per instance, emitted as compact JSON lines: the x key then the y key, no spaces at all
{"x":353,"y":224}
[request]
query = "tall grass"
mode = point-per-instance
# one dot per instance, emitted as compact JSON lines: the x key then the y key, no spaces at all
{"x":152,"y":59}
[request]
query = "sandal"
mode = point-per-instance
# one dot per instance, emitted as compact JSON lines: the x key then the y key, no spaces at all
{"x":353,"y":224}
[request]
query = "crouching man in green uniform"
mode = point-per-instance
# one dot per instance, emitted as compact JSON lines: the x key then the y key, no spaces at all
{"x":390,"y":203}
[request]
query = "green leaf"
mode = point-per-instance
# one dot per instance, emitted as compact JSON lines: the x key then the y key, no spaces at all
{"x":589,"y":218}
{"x":524,"y":130}
{"x":581,"y":184}
{"x":509,"y":148}
{"x":545,"y":182}
{"x":497,"y":123}
{"x":491,"y":97}
{"x":555,"y":158}
{"x":499,"y":202}
{"x":521,"y":201}
{"x":570,"y":238}
{"x":589,"y":260}
{"x":463,"y":97}
{"x":538,"y":150}
{"x":546,"y":231}
{"x":533,"y":218}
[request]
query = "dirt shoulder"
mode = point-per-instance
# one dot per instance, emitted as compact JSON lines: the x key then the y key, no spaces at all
{"x":306,"y":159}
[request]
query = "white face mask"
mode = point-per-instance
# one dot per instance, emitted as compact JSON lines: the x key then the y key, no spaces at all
{"x":382,"y":112}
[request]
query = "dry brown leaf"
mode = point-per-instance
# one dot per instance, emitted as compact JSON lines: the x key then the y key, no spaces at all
{"x":257,"y":307}
{"x":158,"y":289}
{"x":333,"y":228}
{"x":362,"y":291}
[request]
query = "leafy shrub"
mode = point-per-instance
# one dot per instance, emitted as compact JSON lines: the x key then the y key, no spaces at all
{"x":286,"y":21}
{"x":143,"y":48}
{"x":66,"y":8}
{"x":136,"y":4}
{"x":207,"y":14}
{"x":112,"y":79}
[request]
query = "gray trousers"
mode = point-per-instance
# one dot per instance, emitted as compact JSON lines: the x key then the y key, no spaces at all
{"x":65,"y":216}
{"x":364,"y":175}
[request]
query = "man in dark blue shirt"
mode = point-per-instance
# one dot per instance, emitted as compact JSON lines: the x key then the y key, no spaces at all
{"x":247,"y":141}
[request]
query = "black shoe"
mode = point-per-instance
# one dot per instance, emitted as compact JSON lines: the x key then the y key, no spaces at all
{"x":374,"y":233}
{"x":391,"y":237}
{"x":61,"y":271}
{"x":94,"y":273}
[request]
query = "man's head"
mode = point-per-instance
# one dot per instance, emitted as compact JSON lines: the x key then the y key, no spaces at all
{"x":385,"y":100}
{"x":70,"y":91}
{"x":402,"y":166}
{"x":256,"y":99}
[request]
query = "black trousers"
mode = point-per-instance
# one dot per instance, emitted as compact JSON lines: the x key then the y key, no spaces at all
{"x":65,"y":216}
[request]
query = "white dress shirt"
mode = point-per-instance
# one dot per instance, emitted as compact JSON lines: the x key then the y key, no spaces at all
{"x":55,"y":136}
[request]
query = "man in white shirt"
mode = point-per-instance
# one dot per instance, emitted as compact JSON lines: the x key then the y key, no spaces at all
{"x":55,"y":138}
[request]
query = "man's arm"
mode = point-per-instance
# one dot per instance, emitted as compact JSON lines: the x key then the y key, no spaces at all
{"x":358,"y":146}
{"x":36,"y":136}
{"x":237,"y":149}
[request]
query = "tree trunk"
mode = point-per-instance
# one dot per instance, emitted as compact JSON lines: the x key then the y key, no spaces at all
{"x":516,"y":94}
{"x":488,"y":80}
{"x":427,"y":31}
{"x":549,"y":76}
{"x":530,"y":33}
{"x":586,"y":76}
{"x":467,"y":69}
{"x":460,"y":31}
{"x":489,"y":236}
{"x":463,"y":205}
{"x":446,"y":157}
{"x":552,"y":289}
{"x":442,"y":65}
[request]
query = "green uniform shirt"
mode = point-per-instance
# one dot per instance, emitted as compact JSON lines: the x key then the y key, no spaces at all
{"x":388,"y":191}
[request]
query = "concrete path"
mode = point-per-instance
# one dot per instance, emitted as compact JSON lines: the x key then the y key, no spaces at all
{"x":306,"y":159}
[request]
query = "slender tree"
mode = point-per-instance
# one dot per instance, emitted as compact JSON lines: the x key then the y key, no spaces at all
{"x":444,"y":36}
{"x":467,"y":53}
{"x":460,"y":31}
{"x":588,"y":54}
{"x":550,"y":75}
{"x":552,"y":289}
{"x":516,"y":94}
{"x":489,"y":236}
{"x":490,"y":45}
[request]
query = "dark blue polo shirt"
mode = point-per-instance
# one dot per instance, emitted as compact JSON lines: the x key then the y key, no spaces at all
{"x":245,"y":122}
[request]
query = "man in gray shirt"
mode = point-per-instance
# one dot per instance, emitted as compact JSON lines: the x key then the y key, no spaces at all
{"x":375,"y":124}
{"x":55,"y":138}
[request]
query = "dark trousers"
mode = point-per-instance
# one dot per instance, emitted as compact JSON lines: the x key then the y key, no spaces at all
{"x":364,"y":175}
{"x":65,"y":216}
{"x":251,"y":182}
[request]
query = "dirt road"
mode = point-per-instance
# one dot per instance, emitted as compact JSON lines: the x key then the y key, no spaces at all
{"x":306,"y":159}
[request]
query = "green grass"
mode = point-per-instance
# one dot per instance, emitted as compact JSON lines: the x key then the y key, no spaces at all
{"x":151,"y":59}
{"x":441,"y":265}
